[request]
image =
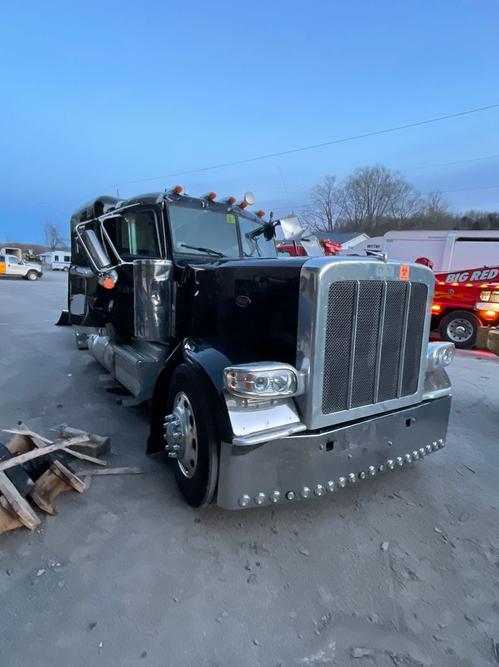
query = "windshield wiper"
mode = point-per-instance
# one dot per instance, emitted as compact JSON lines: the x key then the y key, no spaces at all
{"x":208,"y":251}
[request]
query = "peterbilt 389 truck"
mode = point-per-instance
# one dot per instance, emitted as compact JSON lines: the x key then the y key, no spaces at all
{"x":269,"y":379}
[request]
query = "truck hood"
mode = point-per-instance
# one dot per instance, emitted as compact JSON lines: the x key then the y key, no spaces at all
{"x":255,"y":301}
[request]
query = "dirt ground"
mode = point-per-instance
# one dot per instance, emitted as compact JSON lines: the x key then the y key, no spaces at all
{"x":401,"y":570}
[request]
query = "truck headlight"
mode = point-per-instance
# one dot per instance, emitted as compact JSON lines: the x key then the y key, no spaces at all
{"x":440,"y":355}
{"x":262,"y":380}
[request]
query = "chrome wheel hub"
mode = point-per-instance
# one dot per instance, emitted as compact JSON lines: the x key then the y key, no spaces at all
{"x":181,"y":435}
{"x":459,"y":330}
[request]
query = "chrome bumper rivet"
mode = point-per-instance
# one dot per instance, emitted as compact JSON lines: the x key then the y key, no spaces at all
{"x":381,"y":467}
{"x":260,"y":498}
{"x":275,"y":496}
{"x":342,"y":482}
{"x":422,"y":452}
{"x":415,"y":455}
{"x":362,"y":475}
{"x":244,"y":501}
{"x":400,"y":461}
{"x":408,"y":458}
{"x":319,"y":490}
{"x":290,"y":495}
{"x":352,"y":478}
{"x":428,"y":449}
{"x":305,"y":492}
{"x":330,"y":486}
{"x":372,"y":471}
{"x":434,"y":446}
{"x":441,"y":443}
{"x":391,"y":464}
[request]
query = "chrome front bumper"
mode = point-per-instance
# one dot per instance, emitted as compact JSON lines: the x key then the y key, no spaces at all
{"x":316,"y":463}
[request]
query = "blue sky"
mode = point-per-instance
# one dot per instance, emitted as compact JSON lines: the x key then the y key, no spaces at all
{"x":94,"y":95}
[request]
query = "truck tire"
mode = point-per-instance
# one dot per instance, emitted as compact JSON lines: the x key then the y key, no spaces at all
{"x":32,"y":275}
{"x":460,"y":327}
{"x":196,"y":469}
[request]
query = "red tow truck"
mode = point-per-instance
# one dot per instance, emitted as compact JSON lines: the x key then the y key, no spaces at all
{"x":296,"y":249}
{"x":464,"y":301}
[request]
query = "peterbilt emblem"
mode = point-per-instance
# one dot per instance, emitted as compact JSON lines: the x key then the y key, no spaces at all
{"x":243,"y":301}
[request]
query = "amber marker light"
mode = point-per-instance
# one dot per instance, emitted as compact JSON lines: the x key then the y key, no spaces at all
{"x":436,"y":308}
{"x":260,"y":214}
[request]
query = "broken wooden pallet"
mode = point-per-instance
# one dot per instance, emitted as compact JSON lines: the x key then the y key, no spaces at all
{"x":30,"y":467}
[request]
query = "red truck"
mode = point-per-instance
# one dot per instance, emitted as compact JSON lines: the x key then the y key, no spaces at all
{"x":463,"y":302}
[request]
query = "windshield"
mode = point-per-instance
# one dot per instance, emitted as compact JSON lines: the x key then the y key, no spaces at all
{"x":215,"y":233}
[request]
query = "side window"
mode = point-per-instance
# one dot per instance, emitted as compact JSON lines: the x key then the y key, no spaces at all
{"x":56,"y":258}
{"x":134,"y":234}
{"x":13,"y":259}
{"x":67,"y":258}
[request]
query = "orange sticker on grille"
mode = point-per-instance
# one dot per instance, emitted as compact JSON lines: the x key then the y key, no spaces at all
{"x":404,"y":272}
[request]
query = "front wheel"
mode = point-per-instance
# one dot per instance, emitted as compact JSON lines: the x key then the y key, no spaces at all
{"x":191,"y":436}
{"x":461,"y":328}
{"x":32,"y":275}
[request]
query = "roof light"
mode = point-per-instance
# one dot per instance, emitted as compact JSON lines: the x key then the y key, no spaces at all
{"x":230,"y":200}
{"x":260,"y":214}
{"x":176,"y":190}
{"x":211,"y":196}
{"x":248,"y":200}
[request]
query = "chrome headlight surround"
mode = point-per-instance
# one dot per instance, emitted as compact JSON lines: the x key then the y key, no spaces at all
{"x":265,"y":380}
{"x":439,"y":355}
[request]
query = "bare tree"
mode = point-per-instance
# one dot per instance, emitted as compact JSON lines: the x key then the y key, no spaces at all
{"x":53,"y":236}
{"x":435,"y":205}
{"x":324,"y":208}
{"x":372,"y":194}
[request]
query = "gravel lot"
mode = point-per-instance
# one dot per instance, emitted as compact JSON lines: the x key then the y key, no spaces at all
{"x":402,"y":570}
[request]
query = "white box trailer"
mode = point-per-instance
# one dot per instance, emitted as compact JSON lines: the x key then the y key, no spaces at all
{"x":447,"y":250}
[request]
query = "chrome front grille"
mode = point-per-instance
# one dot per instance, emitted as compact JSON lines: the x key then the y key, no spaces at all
{"x":363,"y":333}
{"x":374,"y":332}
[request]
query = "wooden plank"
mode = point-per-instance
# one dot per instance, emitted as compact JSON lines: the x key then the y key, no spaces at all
{"x":85,"y":457}
{"x":38,"y":440}
{"x":130,"y":470}
{"x":72,"y":479}
{"x":8,"y":520}
{"x":24,"y":430}
{"x":57,"y":479}
{"x":19,"y":504}
{"x":37,"y":453}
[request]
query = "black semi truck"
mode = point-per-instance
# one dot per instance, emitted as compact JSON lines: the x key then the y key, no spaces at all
{"x":269,"y":378}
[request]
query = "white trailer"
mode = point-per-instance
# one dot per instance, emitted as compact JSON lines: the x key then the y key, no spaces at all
{"x":447,"y":250}
{"x":57,"y":260}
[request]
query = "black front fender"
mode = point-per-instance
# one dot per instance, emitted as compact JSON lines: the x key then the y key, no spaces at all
{"x":210,"y":363}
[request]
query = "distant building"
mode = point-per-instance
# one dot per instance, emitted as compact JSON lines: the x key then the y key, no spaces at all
{"x":58,"y":259}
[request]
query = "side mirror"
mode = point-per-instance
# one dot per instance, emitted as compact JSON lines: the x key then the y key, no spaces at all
{"x":268,"y":231}
{"x":95,"y":251}
{"x":292,"y":229}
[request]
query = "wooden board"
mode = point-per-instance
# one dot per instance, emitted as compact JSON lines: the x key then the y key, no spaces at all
{"x":129,"y":470}
{"x":23,"y":436}
{"x":37,"y":453}
{"x":56,"y":480}
{"x":19,"y":505}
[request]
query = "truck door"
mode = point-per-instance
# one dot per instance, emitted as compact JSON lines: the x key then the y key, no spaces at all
{"x":15,"y":267}
{"x":122,"y":236}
